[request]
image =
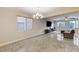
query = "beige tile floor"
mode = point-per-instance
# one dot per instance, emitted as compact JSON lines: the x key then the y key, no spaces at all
{"x":43,"y":43}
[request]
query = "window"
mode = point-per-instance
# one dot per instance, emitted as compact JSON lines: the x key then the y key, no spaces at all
{"x":29,"y":24}
{"x":68,"y":25}
{"x":21,"y":23}
{"x":72,"y":24}
{"x":24,"y":23}
{"x":61,"y":25}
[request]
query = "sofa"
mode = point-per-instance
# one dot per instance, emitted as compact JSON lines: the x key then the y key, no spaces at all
{"x":69,"y":35}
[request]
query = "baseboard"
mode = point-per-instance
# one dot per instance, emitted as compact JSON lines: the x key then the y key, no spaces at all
{"x":10,"y":42}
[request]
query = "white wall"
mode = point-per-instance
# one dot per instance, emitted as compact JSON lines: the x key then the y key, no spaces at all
{"x":8,"y":26}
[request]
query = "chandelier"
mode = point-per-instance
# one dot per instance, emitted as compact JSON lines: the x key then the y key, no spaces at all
{"x":37,"y":15}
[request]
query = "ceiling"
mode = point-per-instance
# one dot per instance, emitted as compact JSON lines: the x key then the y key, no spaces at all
{"x":46,"y":11}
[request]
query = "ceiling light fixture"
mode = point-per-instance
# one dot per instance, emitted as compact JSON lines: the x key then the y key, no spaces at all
{"x":37,"y":15}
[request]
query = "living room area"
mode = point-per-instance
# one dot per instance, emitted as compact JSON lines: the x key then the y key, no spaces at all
{"x":39,"y":29}
{"x":23,"y":30}
{"x":65,"y":26}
